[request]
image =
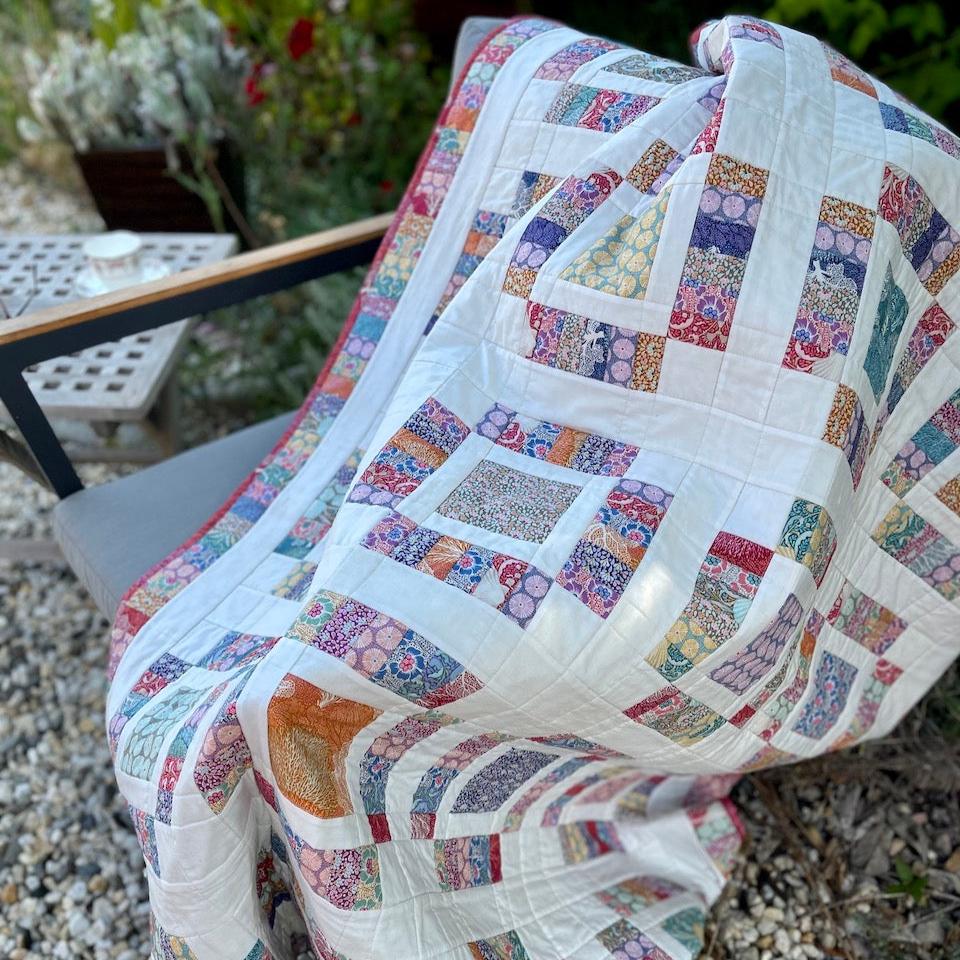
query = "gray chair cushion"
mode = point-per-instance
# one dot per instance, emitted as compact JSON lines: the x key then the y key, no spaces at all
{"x":112,"y":534}
{"x":472,"y":31}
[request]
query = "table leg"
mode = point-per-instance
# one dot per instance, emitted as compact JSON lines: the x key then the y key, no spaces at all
{"x":168,"y":414}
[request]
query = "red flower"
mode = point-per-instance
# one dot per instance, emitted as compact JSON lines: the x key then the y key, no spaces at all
{"x":300,"y":38}
{"x":386,"y":185}
{"x":251,"y":86}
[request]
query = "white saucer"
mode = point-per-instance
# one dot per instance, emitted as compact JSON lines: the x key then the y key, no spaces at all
{"x":89,"y":284}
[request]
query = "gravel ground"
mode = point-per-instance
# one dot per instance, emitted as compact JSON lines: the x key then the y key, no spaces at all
{"x":71,"y":875}
{"x":49,"y":200}
{"x":853,"y":856}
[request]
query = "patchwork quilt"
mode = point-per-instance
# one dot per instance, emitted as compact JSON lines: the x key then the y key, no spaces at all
{"x":668,"y":492}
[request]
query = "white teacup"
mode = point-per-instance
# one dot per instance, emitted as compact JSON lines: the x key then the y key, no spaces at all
{"x":114,"y":257}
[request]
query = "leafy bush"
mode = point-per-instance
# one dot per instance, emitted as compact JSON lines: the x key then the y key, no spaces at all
{"x":24,"y":25}
{"x":173,"y":80}
{"x":341,"y":99}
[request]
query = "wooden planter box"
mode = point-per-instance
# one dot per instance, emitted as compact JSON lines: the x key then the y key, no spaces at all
{"x":132,"y":190}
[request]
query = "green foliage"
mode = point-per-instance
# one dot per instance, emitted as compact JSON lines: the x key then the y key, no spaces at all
{"x":110,"y":21}
{"x":332,"y":108}
{"x":24,"y":24}
{"x":910,"y":883}
{"x":269,"y":351}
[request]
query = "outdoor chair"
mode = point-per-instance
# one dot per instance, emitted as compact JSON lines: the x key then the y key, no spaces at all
{"x":106,"y":534}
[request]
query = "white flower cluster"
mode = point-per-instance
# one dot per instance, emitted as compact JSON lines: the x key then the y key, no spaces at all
{"x":169,"y":82}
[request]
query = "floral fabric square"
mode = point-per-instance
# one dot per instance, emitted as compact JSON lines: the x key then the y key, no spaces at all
{"x":723,"y":233}
{"x":564,"y":63}
{"x":830,"y":298}
{"x":949,"y":495}
{"x":509,"y":502}
{"x":831,"y":688}
{"x":930,"y":445}
{"x":884,"y":675}
{"x":504,"y":946}
{"x":597,"y":109}
{"x":620,"y":262}
{"x":491,"y":787}
{"x":488,"y":228}
{"x":809,"y":537}
{"x":862,"y":619}
{"x":611,"y":548}
{"x":920,"y":547}
{"x":891,"y":316}
{"x":588,"y":840}
{"x":294,"y":585}
{"x":654,"y":168}
{"x":312,"y":527}
{"x":468,"y":862}
{"x":847,"y":429}
{"x":756,"y":30}
{"x":309,"y":729}
{"x":896,"y":118}
{"x":676,"y":715}
{"x":728,"y":580}
{"x":633,"y":895}
{"x":930,"y":243}
{"x":753,"y":662}
{"x":532,"y":188}
{"x":512,"y":586}
{"x":590,"y":348}
{"x":930,"y":333}
{"x":625,"y":942}
{"x":437,"y":780}
{"x":412,"y":454}
{"x":382,"y":649}
{"x":648,"y":66}
{"x":843,"y":70}
{"x":571,"y":203}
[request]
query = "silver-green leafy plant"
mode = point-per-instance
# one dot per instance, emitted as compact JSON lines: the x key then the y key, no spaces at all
{"x":172,"y":81}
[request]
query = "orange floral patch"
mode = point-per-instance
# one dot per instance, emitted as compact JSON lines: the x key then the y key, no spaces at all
{"x":309,"y":732}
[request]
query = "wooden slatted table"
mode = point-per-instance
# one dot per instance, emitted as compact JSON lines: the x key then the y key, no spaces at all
{"x":112,"y":383}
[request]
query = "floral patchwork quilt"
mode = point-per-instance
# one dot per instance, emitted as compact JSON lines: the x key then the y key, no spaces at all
{"x":634,"y":469}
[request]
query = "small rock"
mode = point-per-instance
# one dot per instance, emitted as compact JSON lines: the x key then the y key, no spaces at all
{"x":78,"y":923}
{"x":929,"y":931}
{"x":98,"y":884}
{"x":878,"y":865}
{"x":78,"y":891}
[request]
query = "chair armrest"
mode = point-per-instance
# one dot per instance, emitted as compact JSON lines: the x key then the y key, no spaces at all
{"x":302,"y":251}
{"x":56,"y":331}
